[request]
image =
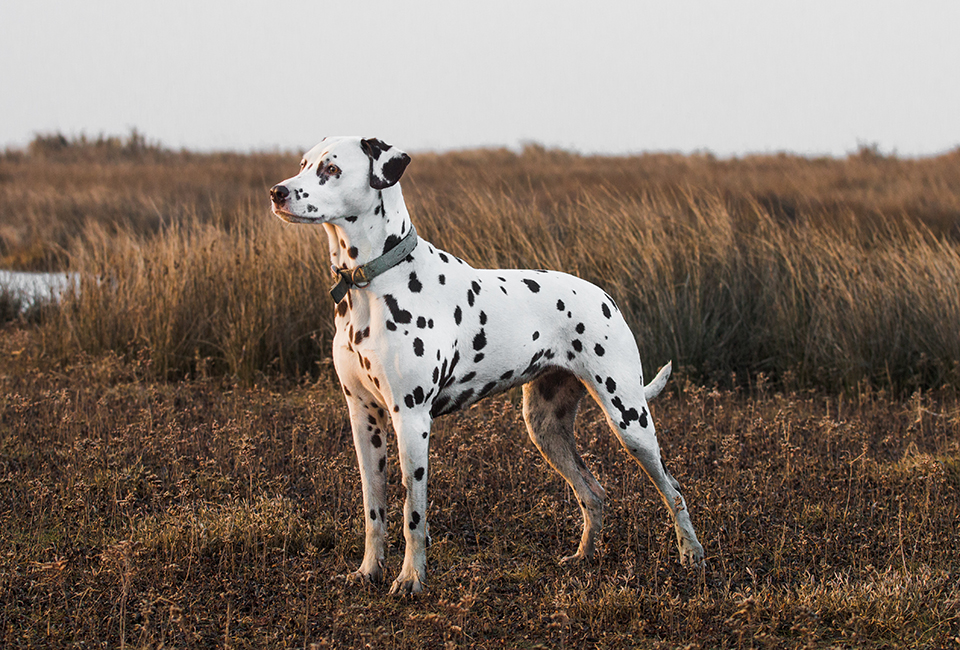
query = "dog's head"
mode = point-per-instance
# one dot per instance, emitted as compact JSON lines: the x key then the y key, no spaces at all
{"x":340,"y":177}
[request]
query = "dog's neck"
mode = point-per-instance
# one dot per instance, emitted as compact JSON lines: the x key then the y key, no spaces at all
{"x":355,"y":241}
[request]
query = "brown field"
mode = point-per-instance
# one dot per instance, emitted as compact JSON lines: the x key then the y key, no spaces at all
{"x":176,"y":466}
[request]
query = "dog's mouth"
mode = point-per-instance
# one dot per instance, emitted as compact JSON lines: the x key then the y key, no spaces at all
{"x":290,"y":217}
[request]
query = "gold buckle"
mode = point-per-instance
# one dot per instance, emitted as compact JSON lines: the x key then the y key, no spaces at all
{"x":358,"y":278}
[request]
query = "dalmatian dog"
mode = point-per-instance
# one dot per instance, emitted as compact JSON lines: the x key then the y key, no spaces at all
{"x":420,"y":333}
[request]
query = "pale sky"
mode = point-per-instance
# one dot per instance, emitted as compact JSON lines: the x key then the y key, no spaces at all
{"x":732,"y":77}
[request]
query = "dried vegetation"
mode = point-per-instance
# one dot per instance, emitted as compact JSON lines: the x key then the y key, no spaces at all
{"x":176,"y":466}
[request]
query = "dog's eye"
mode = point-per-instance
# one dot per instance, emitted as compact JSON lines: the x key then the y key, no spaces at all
{"x":333,"y":170}
{"x":303,"y":163}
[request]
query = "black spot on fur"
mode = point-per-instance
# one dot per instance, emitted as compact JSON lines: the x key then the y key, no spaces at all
{"x":414,"y":519}
{"x":373,"y":514}
{"x":599,"y":350}
{"x":342,"y":308}
{"x":628,"y":415}
{"x":444,"y":258}
{"x":401,"y":316}
{"x":382,"y":464}
{"x":390,"y":243}
{"x":418,"y":347}
{"x":393,"y":168}
{"x":580,"y":328}
{"x":533,"y":286}
{"x":467,"y":377}
{"x":414,"y":284}
{"x":643,"y":417}
{"x":480,"y":340}
{"x":418,"y":474}
{"x":361,"y":335}
{"x":439,"y":406}
{"x":470,"y":297}
{"x":560,"y":305}
{"x":461,"y":399}
{"x":483,"y":318}
{"x":408,"y":400}
{"x":577,"y":345}
{"x":375,"y":440}
{"x":507,"y":375}
{"x":421,"y":322}
{"x":478,"y":358}
{"x":371,"y":419}
{"x":536,"y":335}
{"x":605,"y":310}
{"x":353,"y":252}
{"x":457,"y":315}
{"x":611,"y":385}
{"x":489,"y":386}
{"x":418,"y":394}
{"x":442,"y":279}
{"x":446,"y":373}
{"x":391,"y":325}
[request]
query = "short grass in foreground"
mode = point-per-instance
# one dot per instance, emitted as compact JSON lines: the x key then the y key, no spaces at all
{"x":152,"y":514}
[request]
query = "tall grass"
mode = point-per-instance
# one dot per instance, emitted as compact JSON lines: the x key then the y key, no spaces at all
{"x":811,"y":272}
{"x":199,"y":298}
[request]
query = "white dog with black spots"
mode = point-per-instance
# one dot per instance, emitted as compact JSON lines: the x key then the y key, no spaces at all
{"x":420,"y":333}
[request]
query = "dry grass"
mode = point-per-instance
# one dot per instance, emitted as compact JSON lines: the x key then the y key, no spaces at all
{"x":202,"y":514}
{"x":821,"y":273}
{"x":176,"y":466}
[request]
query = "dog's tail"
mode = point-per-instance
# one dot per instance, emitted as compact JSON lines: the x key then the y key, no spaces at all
{"x":656,"y":385}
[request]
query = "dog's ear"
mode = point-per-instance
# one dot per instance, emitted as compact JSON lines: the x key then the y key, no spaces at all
{"x":386,"y":163}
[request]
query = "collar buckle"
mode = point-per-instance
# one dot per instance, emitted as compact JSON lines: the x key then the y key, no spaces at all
{"x":362,"y":275}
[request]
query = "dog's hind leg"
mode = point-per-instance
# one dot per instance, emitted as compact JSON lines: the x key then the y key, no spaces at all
{"x":550,"y":406}
{"x":630,"y":419}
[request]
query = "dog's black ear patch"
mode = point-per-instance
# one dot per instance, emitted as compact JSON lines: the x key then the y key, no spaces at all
{"x":373,"y":147}
{"x":387,"y":163}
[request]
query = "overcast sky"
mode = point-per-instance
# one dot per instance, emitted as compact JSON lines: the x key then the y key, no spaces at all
{"x":731,"y":76}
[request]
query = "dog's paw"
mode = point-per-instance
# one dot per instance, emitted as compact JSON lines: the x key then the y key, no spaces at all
{"x":691,"y":553}
{"x":365,"y":576}
{"x":577,"y":558}
{"x":407,"y":584}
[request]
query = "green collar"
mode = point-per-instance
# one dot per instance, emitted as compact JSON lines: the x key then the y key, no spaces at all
{"x":362,"y":275}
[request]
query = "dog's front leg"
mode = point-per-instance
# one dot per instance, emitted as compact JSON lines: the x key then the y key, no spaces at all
{"x":369,"y":423}
{"x":413,"y":440}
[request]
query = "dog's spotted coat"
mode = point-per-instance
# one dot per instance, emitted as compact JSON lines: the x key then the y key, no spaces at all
{"x":433,"y":335}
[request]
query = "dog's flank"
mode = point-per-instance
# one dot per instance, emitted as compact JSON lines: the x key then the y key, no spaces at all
{"x":430,"y":335}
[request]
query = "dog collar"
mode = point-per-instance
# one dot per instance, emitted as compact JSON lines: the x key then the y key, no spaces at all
{"x":363,"y":274}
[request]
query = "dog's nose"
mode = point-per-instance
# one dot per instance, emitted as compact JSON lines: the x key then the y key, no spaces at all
{"x":279,"y":194}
